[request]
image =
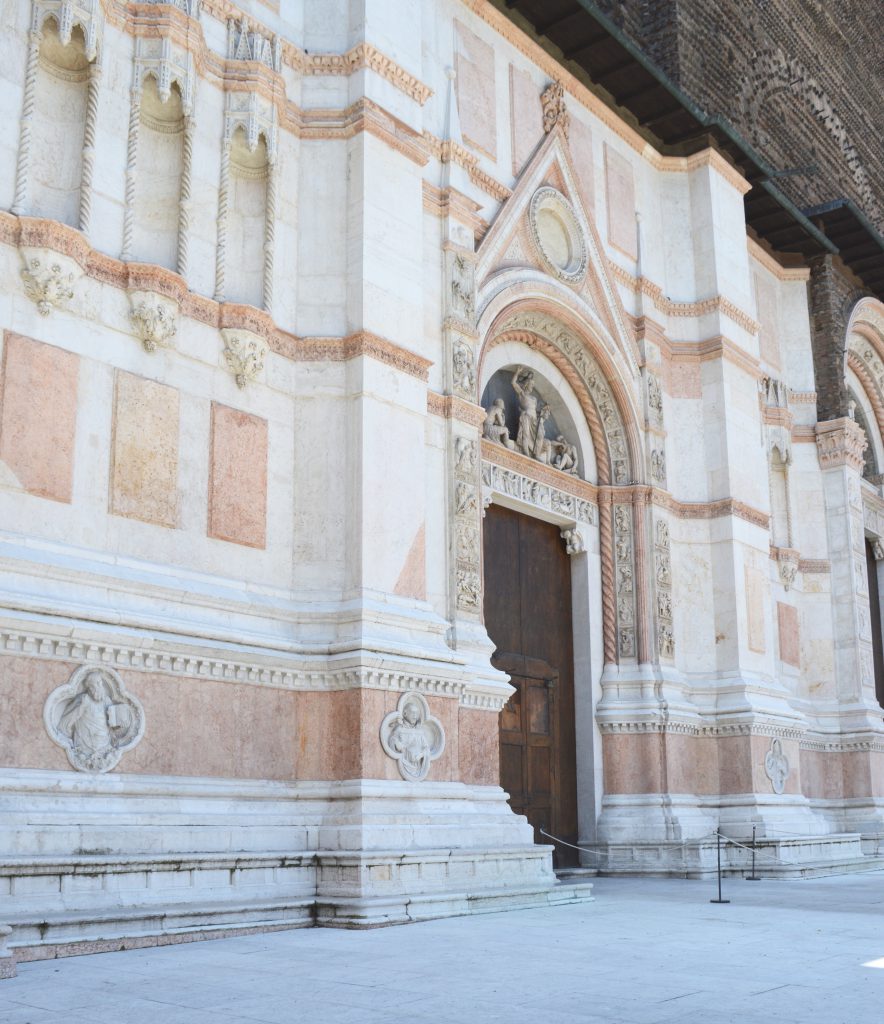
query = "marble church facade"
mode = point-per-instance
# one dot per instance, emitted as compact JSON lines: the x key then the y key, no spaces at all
{"x":299,"y":298}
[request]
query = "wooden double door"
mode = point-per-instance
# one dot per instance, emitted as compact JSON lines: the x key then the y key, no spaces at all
{"x":528,"y":617}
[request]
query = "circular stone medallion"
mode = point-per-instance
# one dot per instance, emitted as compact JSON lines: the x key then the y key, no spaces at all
{"x":558,"y":235}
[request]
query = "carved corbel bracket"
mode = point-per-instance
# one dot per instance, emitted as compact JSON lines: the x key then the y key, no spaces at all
{"x":49,"y":277}
{"x":574,"y":542}
{"x":787,"y":561}
{"x":244,"y":354}
{"x":154,"y":319}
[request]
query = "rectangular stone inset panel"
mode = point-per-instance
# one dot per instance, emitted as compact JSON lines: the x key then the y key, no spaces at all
{"x":755,"y":609}
{"x":787,"y":622}
{"x":144,"y":469}
{"x":526,"y":116}
{"x":580,"y":144}
{"x":620,"y":186}
{"x":38,"y":417}
{"x":238,"y":477}
{"x":476,"y":96}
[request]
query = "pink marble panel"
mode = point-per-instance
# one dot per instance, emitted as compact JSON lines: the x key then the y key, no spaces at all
{"x":735,"y":764}
{"x":526,"y":116}
{"x":692,"y":764}
{"x":144,"y":470}
{"x":476,"y":90}
{"x":412,"y":581}
{"x":685,"y":380}
{"x":478,"y":734}
{"x":620,"y":185}
{"x":238,"y":477}
{"x":632,"y":763}
{"x":580,"y":144}
{"x":787,"y":623}
{"x":38,"y":416}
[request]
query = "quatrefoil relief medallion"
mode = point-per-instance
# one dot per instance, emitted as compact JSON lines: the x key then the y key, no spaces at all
{"x":412,"y":737}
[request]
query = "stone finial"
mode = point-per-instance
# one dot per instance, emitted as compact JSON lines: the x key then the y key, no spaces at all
{"x":554,"y":111}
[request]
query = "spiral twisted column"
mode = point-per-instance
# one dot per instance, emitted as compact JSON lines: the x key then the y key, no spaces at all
{"x":269,"y":236}
{"x":23,"y":165}
{"x":184,"y":199}
{"x":131,"y":172}
{"x":223,"y":202}
{"x":89,"y":128}
{"x":609,"y":586}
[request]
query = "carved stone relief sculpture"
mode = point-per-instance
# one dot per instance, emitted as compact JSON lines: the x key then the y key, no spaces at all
{"x":776,"y":766}
{"x":464,"y":369}
{"x":506,"y":481}
{"x":552,"y":101}
{"x":663,"y":578}
{"x":94,"y":719}
{"x":531,"y":438}
{"x":412,"y":737}
{"x":625,"y":577}
{"x":574,"y":542}
{"x":468,"y":578}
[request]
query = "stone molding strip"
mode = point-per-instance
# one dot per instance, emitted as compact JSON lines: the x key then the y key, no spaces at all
{"x":363,"y":116}
{"x":705,"y":158}
{"x":702,"y":307}
{"x":618,"y":721}
{"x":770,"y":264}
{"x":716,"y":347}
{"x":820,"y":566}
{"x":448,"y":152}
{"x":147,"y":19}
{"x":450,"y":407}
{"x":127,"y":657}
{"x":445,"y":202}
{"x":42,"y":233}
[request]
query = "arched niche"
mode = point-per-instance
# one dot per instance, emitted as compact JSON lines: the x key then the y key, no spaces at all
{"x":61,"y":96}
{"x":160,"y":162}
{"x":249,"y":169}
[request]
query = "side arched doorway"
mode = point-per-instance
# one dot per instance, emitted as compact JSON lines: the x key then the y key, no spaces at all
{"x":529,"y":619}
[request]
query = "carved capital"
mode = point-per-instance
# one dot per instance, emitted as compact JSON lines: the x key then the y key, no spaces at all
{"x":244,"y":353}
{"x":49,"y":278}
{"x":840,"y":442}
{"x":788,"y":560}
{"x":154,"y":319}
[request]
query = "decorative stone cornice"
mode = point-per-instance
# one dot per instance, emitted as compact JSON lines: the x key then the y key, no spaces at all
{"x":840,"y":442}
{"x":277,"y":671}
{"x":450,"y":407}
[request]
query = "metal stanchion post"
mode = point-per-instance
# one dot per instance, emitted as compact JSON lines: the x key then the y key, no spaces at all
{"x":719,"y":900}
{"x":753,"y":877}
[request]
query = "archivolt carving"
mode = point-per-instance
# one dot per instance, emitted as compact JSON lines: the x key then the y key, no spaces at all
{"x":592,"y":377}
{"x":94,"y":718}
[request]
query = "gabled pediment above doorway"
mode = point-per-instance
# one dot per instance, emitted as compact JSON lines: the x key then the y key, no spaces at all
{"x":545,"y":236}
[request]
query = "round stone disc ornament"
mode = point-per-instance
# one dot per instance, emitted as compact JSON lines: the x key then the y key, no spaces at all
{"x":558,"y":235}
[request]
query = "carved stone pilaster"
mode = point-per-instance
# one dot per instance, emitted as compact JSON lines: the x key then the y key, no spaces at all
{"x":624,"y":568}
{"x":49,"y":278}
{"x":467,"y":519}
{"x":663,"y":589}
{"x":244,"y":354}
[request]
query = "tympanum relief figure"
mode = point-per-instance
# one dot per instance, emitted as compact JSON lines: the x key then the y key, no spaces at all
{"x":531,"y":436}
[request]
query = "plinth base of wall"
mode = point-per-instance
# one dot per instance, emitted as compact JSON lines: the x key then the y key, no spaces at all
{"x":794,"y":857}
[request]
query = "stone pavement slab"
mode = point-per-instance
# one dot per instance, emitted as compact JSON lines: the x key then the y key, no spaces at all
{"x":647,"y":951}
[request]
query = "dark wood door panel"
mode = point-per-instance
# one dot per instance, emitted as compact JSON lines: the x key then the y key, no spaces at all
{"x":528,"y":617}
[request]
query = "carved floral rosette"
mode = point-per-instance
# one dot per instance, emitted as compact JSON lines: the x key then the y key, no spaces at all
{"x":94,"y":718}
{"x":412,"y":736}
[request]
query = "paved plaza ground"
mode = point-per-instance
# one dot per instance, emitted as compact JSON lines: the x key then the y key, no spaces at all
{"x":646,"y":951}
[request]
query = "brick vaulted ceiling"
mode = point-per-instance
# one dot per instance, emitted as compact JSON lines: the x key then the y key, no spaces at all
{"x":599,"y":52}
